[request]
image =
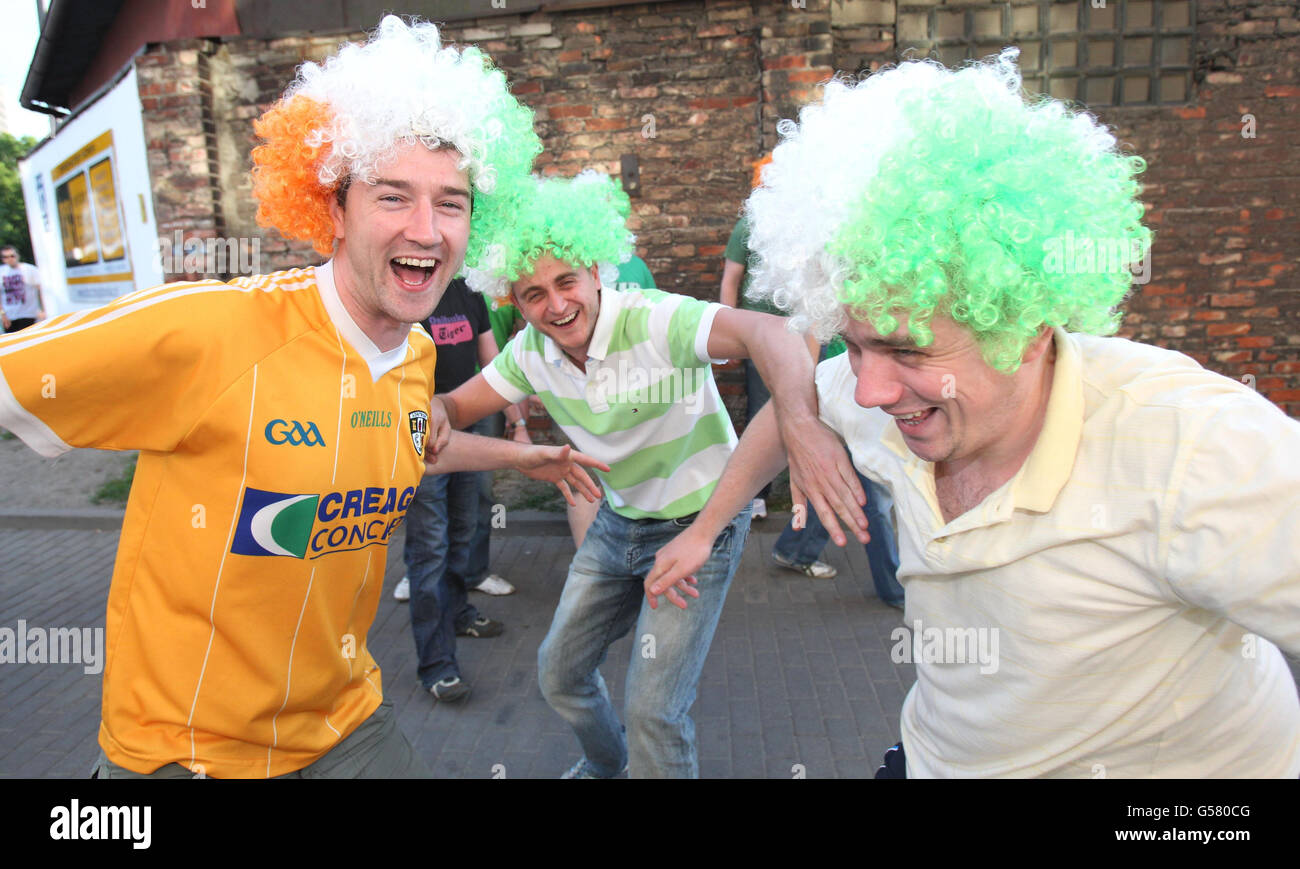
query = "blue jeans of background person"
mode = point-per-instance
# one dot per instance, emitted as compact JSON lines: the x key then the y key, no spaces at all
{"x":480,"y":549}
{"x":440,"y":525}
{"x":603,"y":598}
{"x":756,"y":395}
{"x":802,"y":548}
{"x":882,"y":549}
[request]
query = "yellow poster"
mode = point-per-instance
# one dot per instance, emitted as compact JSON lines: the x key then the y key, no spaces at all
{"x":90,"y":218}
{"x":110,"y":227}
{"x":79,"y":246}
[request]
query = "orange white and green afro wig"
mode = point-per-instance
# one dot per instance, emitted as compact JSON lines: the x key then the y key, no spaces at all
{"x":922,"y":190}
{"x":341,"y":120}
{"x":581,"y":221}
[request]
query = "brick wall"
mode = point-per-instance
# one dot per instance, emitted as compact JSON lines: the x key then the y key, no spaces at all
{"x":176,"y":101}
{"x":864,"y":34}
{"x":1224,"y":206}
{"x":694,"y":89}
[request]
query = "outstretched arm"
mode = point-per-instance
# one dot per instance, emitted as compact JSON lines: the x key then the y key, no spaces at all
{"x":563,"y":466}
{"x":460,"y":409}
{"x":759,"y":457}
{"x":819,"y":465}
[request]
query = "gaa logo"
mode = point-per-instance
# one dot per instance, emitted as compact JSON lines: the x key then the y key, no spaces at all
{"x":419,"y":428}
{"x":279,"y":431}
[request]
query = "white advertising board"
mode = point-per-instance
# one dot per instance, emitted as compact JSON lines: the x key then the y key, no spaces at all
{"x":90,"y":205}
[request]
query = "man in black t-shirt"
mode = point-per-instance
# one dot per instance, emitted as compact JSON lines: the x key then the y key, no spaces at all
{"x":442,"y":518}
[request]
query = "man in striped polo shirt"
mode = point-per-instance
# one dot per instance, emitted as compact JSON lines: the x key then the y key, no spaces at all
{"x":627,"y":376}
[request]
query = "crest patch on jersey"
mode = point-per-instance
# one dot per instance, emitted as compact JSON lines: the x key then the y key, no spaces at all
{"x":419,"y":429}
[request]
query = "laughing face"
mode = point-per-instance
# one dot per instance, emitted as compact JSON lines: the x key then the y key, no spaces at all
{"x":561,"y":301}
{"x":400,"y":241}
{"x":948,"y":403}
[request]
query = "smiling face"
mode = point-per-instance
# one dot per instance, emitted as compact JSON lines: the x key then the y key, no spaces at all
{"x":950,"y":405}
{"x":561,"y":301}
{"x":400,"y":241}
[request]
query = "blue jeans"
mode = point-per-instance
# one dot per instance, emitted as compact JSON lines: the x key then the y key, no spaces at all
{"x":604,"y":596}
{"x":440,"y":524}
{"x":882,"y":549}
{"x":480,"y":549}
{"x":804,"y":547}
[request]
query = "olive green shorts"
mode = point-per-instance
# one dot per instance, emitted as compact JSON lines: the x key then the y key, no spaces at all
{"x":376,"y":749}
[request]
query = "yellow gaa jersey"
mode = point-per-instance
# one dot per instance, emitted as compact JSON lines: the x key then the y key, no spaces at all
{"x":279,"y":450}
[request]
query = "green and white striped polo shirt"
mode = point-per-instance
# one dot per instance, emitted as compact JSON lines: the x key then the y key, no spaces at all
{"x":646,"y":406}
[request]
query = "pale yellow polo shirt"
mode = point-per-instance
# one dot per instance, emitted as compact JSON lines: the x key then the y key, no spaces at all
{"x":1138,"y":569}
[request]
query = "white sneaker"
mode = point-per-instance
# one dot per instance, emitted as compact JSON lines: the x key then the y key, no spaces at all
{"x":760,"y":508}
{"x":403,"y":590}
{"x":495,"y":585}
{"x":816,"y":570}
{"x":582,"y":769}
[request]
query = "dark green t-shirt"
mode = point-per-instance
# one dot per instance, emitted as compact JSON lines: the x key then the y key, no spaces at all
{"x":738,"y":252}
{"x":635,"y":275}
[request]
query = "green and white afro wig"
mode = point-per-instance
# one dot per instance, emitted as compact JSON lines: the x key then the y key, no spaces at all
{"x":922,"y":190}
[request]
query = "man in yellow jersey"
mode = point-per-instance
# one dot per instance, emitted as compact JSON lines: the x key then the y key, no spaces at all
{"x":282,"y":422}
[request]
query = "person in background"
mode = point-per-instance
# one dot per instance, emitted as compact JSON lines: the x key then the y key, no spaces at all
{"x":504,"y":321}
{"x":796,"y":549}
{"x":21,"y":305}
{"x":635,"y":275}
{"x":735,"y":280}
{"x":799,"y":547}
{"x":513,"y":425}
{"x":442,"y":519}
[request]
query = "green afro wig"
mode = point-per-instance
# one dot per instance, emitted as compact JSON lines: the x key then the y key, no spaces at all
{"x":581,"y":221}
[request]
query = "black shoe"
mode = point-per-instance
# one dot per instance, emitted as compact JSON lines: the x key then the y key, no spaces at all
{"x":481,"y":627}
{"x":450,"y":689}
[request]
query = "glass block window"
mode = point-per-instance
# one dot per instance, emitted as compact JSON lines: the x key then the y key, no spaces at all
{"x":1126,"y":52}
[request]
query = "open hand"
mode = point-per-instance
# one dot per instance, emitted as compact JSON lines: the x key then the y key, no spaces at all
{"x":820,"y":469}
{"x":674,"y":572}
{"x":563,"y":466}
{"x":439,"y":431}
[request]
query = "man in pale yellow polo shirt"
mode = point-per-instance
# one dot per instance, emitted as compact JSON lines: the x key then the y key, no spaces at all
{"x":1099,"y":539}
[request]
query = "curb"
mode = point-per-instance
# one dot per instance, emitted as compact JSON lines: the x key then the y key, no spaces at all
{"x":534,"y":523}
{"x":519,"y":523}
{"x":525,"y":523}
{"x":106,"y":519}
